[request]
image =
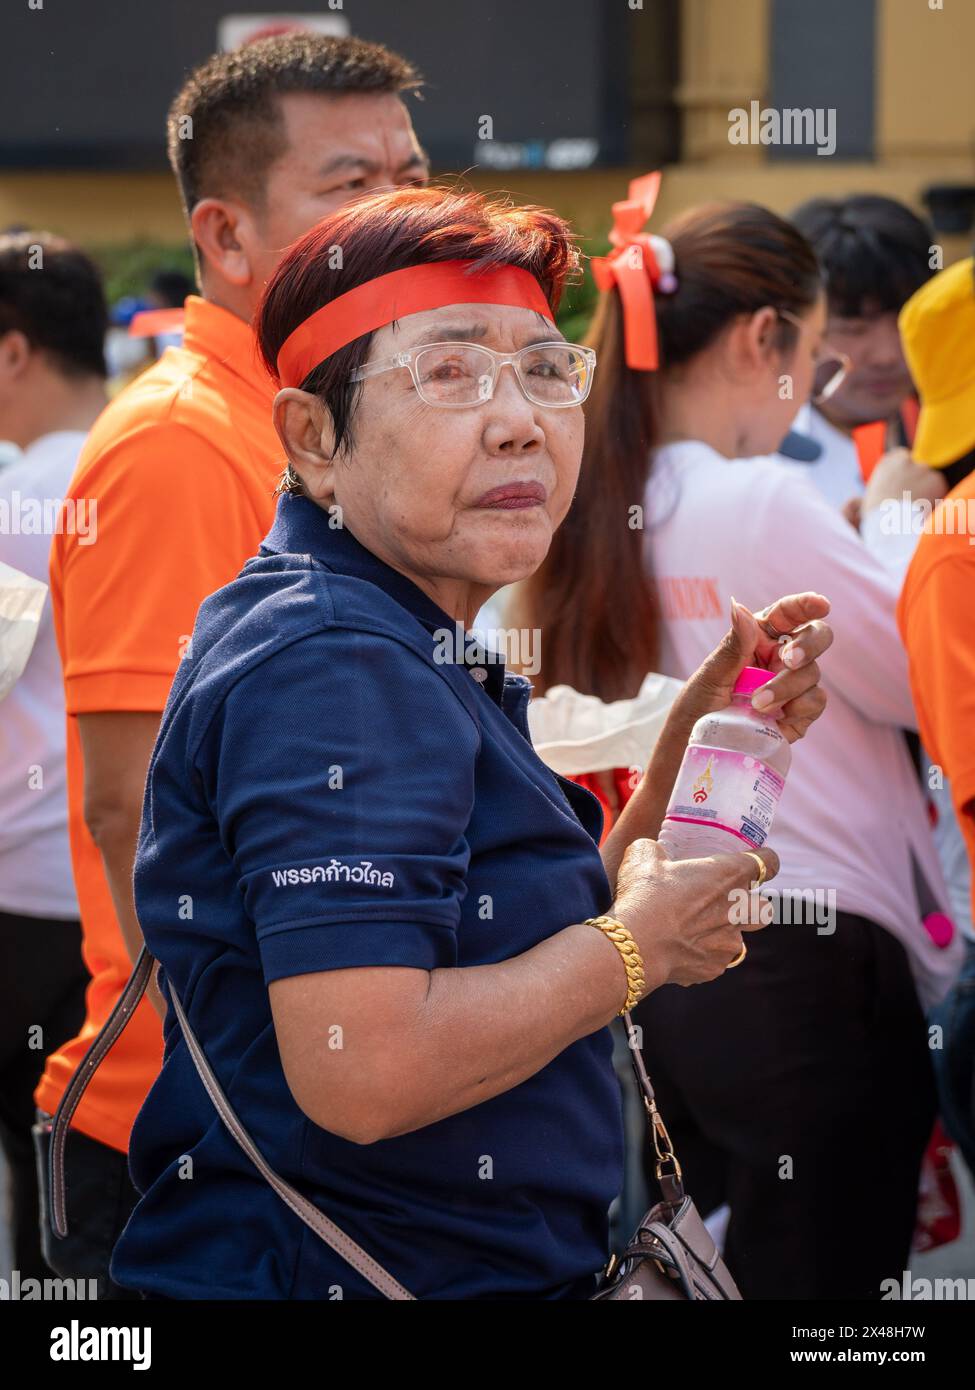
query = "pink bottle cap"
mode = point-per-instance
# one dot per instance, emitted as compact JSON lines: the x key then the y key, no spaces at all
{"x":940,"y":928}
{"x":750,"y":679}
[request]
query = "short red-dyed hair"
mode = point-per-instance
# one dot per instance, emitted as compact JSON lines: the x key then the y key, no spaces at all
{"x":389,"y":231}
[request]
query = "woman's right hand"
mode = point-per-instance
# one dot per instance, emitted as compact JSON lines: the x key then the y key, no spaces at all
{"x":687,"y":915}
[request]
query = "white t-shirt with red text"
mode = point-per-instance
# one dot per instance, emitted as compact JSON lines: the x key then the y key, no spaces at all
{"x":852,"y":809}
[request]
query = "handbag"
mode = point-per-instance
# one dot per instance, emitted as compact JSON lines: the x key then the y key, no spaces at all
{"x":671,"y":1255}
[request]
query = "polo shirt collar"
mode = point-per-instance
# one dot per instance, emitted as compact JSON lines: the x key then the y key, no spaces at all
{"x":301,"y":527}
{"x":216,"y":333}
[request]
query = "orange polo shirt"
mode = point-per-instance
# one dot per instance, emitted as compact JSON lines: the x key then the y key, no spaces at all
{"x":936,"y":614}
{"x":180,"y":469}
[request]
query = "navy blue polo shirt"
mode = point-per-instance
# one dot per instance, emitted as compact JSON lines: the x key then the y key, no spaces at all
{"x":327,"y":791}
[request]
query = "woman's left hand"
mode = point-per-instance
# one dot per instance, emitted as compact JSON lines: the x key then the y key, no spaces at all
{"x":794,"y":697}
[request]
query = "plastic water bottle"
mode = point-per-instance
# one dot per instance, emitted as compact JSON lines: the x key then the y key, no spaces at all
{"x":730,"y":780}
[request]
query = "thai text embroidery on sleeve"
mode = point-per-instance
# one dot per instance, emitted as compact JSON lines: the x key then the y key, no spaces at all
{"x":363,"y":873}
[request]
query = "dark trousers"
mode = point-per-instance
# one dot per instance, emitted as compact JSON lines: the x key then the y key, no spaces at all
{"x":42,"y":1002}
{"x":799,"y":1089}
{"x":954,"y":1061}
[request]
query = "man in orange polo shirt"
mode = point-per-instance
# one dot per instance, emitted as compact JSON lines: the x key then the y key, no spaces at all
{"x":182,"y":466}
{"x":937,"y":620}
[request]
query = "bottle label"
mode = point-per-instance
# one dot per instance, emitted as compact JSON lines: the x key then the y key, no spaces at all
{"x":728,"y":791}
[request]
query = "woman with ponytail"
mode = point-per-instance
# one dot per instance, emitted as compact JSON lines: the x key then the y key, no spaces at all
{"x":798,"y":1088}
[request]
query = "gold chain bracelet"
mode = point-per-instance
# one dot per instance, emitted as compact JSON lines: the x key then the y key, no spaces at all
{"x":628,"y":949}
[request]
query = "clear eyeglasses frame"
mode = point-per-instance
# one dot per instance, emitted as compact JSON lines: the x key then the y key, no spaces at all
{"x":458,"y":375}
{"x":832,"y":366}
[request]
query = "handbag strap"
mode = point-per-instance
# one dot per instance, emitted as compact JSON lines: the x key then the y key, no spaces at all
{"x":110,"y":1031}
{"x":317,"y":1221}
{"x":671,"y":1183}
{"x":344,"y":1245}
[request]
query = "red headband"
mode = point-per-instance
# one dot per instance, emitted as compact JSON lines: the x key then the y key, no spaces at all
{"x":636,"y":277}
{"x":393,"y":296}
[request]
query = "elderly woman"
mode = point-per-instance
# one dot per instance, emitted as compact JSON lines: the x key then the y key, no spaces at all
{"x":384,"y":916}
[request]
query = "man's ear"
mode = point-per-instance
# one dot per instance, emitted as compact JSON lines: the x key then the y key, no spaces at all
{"x":307,"y":433}
{"x":220,"y":231}
{"x":15,"y":354}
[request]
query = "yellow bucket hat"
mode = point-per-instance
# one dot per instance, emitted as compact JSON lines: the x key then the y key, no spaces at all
{"x":937,"y":326}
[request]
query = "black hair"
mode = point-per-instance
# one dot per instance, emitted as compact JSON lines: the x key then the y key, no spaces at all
{"x":592,"y":597}
{"x":52,"y":293}
{"x":225,"y":126}
{"x":874,"y":251}
{"x":958,"y":470}
{"x":172,"y":287}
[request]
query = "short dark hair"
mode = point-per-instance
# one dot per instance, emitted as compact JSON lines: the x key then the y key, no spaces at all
{"x":52,"y":293}
{"x":874,"y":251}
{"x":236,"y":128}
{"x":172,"y":287}
{"x":958,"y":470}
{"x":389,"y":231}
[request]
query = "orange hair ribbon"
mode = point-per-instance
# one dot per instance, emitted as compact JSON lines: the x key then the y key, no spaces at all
{"x":634,"y":267}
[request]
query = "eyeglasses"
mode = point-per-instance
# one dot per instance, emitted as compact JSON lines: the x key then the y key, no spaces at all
{"x":831,"y":367}
{"x":455,"y":375}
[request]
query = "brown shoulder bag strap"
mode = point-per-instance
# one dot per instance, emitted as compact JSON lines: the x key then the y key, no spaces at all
{"x":380,"y":1278}
{"x":344,"y":1245}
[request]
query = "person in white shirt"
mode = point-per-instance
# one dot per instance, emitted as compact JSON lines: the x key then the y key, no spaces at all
{"x":874,"y":254}
{"x":929,"y":542}
{"x":799,"y":1085}
{"x":52,"y":387}
{"x":835,"y":471}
